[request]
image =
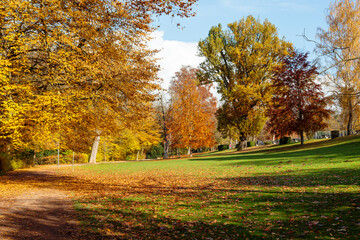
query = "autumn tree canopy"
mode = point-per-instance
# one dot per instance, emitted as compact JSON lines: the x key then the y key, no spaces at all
{"x":191,"y":120}
{"x":76,"y":66}
{"x":340,"y":43}
{"x":298,"y":104}
{"x":242,"y":59}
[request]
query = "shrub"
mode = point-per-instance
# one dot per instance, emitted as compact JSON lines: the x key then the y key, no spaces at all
{"x":49,"y":160}
{"x":16,"y":164}
{"x":268,"y":142}
{"x":223,"y":147}
{"x":81,"y":158}
{"x":285,"y":140}
{"x":46,"y":153}
{"x":18,"y":160}
{"x":335,"y":134}
{"x":250,"y":144}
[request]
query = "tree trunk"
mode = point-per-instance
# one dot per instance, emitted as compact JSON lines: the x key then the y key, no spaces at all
{"x":242,"y":144}
{"x":58,"y":155}
{"x":166,"y":148}
{"x":73,"y":161}
{"x":137,"y":155}
{"x":104,"y":150}
{"x":350,"y":120}
{"x":94,"y":149}
{"x":166,"y":137}
{"x":302,"y":137}
{"x":189,"y":151}
{"x":34,"y":163}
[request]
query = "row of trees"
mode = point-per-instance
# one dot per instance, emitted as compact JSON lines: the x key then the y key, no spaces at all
{"x":73,"y":71}
{"x":260,"y":77}
{"x":264,"y":81}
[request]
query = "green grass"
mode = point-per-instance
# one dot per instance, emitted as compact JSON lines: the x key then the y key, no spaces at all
{"x":282,"y":192}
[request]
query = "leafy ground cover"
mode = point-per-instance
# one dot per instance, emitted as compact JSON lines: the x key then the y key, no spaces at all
{"x":291,"y":192}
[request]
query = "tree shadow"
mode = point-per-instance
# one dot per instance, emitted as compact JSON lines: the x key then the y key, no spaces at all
{"x":326,"y":177}
{"x":246,"y":214}
{"x":136,"y":224}
{"x":257,"y":207}
{"x":29,"y":223}
{"x":316,"y":152}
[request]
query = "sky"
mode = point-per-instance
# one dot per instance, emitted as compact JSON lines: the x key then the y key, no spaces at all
{"x":179,"y":45}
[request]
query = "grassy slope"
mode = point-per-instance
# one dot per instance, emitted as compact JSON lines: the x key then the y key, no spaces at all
{"x":309,"y":191}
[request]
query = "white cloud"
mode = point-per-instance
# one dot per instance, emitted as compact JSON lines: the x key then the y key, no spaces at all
{"x":172,"y":55}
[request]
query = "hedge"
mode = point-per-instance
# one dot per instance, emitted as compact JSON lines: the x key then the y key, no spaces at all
{"x":285,"y":140}
{"x":223,"y":147}
{"x":250,"y":144}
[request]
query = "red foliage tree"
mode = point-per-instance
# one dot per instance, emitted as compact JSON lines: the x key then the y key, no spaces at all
{"x":298,"y":105}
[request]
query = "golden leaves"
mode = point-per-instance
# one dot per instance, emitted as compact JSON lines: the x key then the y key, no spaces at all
{"x":73,"y":68}
{"x":242,"y":61}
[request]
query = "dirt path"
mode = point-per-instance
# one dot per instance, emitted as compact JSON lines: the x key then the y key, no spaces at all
{"x":38,"y":212}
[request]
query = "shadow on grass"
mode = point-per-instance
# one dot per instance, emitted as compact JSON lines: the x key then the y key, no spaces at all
{"x":34,"y":223}
{"x":326,"y":177}
{"x":253,"y":215}
{"x":347,"y":149}
{"x":127,"y":223}
{"x":255,"y":207}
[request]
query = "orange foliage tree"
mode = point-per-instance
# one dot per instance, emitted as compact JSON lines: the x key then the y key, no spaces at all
{"x":192,"y":112}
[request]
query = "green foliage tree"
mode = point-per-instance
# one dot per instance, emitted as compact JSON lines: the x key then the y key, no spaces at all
{"x":242,"y":60}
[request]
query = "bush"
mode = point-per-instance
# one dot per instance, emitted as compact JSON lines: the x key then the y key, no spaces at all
{"x":285,"y":140}
{"x":268,"y":142}
{"x":223,"y":147}
{"x":46,"y":153}
{"x":48,"y":160}
{"x":17,"y":164}
{"x":155,"y":152}
{"x":335,"y":134}
{"x":250,"y":144}
{"x":81,"y":158}
{"x":64,"y":158}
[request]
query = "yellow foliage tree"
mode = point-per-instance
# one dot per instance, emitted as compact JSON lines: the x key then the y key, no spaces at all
{"x":76,"y":66}
{"x":340,"y":43}
{"x":242,"y":61}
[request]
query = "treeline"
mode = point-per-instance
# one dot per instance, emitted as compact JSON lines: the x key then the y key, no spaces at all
{"x":77,"y":76}
{"x":269,"y":88}
{"x":75,"y":71}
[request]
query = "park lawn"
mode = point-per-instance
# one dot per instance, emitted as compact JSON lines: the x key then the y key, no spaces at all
{"x":290,"y":192}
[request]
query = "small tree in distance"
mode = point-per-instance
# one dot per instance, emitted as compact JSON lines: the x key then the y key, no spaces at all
{"x":298,"y":105}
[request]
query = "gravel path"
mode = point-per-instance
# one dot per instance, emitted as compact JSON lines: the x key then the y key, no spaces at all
{"x":39,"y":212}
